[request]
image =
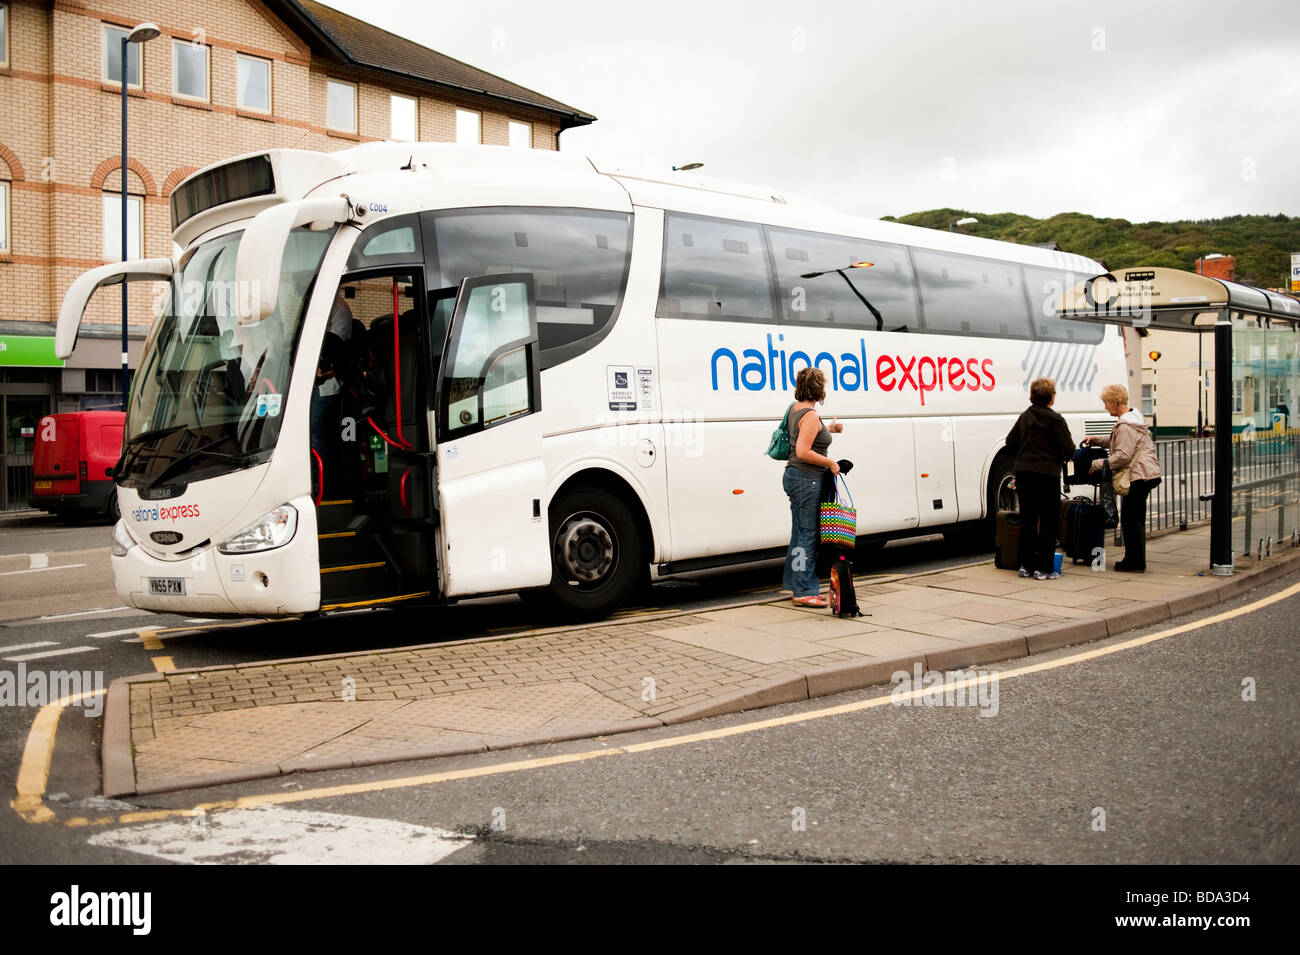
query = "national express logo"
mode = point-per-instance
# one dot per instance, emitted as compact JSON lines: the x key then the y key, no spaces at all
{"x":141,"y":514}
{"x":921,"y":374}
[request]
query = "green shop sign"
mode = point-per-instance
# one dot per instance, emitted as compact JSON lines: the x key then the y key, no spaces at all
{"x":28,"y":351}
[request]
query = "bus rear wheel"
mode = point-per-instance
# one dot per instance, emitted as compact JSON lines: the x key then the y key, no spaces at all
{"x":596,"y":553}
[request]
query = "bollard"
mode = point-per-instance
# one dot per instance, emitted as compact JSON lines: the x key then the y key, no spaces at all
{"x":1259,"y":553}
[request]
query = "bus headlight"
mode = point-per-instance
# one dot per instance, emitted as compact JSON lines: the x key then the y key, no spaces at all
{"x":122,"y":541}
{"x":271,"y":530}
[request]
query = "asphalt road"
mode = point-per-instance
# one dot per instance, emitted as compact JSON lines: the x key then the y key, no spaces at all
{"x":1157,"y":742}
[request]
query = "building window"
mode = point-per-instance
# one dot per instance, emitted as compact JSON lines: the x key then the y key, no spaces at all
{"x":112,"y":58}
{"x":1236,"y":396}
{"x":402,"y":125}
{"x":469,"y":126}
{"x":190,"y":69}
{"x":341,"y":106}
{"x":1148,"y":401}
{"x":521,"y":135}
{"x":254,"y":82}
{"x":113,"y":226}
{"x":4,"y":217}
{"x":4,"y":34}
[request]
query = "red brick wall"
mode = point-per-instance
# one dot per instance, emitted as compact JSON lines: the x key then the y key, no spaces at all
{"x":60,"y":141}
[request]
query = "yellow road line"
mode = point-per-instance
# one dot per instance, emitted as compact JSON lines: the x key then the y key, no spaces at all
{"x":34,"y":770}
{"x":326,"y":537}
{"x":162,"y":664}
{"x":150,"y":640}
{"x":281,"y":798}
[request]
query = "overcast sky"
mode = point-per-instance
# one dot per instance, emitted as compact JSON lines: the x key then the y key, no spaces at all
{"x":1141,"y":110}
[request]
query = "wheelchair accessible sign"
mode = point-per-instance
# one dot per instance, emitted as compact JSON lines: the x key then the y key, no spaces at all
{"x":629,"y":387}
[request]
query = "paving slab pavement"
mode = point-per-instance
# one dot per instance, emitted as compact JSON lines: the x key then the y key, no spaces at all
{"x":194,"y":728}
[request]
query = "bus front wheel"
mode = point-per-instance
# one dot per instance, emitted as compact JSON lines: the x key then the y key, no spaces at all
{"x":596,"y":554}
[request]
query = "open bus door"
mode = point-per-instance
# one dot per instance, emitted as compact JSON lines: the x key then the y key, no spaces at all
{"x":491,"y":480}
{"x":371,"y":447}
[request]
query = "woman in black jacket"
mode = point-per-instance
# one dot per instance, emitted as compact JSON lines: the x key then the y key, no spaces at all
{"x":1042,"y":443}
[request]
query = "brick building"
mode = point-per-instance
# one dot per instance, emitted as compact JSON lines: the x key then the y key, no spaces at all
{"x":223,"y":78}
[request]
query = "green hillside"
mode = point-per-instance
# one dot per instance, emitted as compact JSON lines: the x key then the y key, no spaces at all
{"x":1262,"y":245}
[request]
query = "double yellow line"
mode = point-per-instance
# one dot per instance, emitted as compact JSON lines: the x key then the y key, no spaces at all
{"x":32,"y":774}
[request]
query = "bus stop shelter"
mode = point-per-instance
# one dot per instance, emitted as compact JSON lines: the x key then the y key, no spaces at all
{"x":1174,"y":300}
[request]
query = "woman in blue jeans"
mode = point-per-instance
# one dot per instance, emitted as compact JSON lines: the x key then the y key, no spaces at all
{"x":809,"y":442}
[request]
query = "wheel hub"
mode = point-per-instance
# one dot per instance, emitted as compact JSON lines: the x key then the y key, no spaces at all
{"x":585,"y":549}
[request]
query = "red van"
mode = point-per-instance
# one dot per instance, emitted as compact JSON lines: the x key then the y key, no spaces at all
{"x":72,"y":464}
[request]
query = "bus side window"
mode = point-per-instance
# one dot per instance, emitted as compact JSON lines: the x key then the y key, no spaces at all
{"x":1045,"y":287}
{"x":715,"y":268}
{"x":969,"y":295}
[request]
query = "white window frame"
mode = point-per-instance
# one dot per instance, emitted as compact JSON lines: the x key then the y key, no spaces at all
{"x":356,"y":102}
{"x":207,"y":72}
{"x":524,"y":129}
{"x":116,"y":45}
{"x":415,"y":117}
{"x":6,"y":192}
{"x":6,"y":23}
{"x":1238,"y":389}
{"x":135,"y":216}
{"x":478,"y":117}
{"x":270,"y":83}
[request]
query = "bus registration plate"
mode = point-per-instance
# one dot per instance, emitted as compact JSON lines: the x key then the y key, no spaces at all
{"x":44,"y":485}
{"x":167,"y":586}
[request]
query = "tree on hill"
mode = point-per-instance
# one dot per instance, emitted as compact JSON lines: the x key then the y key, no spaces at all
{"x":1262,"y":245}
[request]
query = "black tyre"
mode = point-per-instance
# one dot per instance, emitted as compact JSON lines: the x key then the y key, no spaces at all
{"x":112,"y":511}
{"x":598,"y":559}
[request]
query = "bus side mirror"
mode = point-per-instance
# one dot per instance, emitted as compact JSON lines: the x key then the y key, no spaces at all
{"x":84,"y":286}
{"x":261,"y":250}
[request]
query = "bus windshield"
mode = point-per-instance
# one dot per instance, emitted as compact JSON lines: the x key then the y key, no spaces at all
{"x":210,"y":393}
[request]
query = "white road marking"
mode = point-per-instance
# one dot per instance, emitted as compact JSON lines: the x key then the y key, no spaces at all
{"x":200,"y":620}
{"x":277,"y":836}
{"x":118,"y":633}
{"x":88,"y":613}
{"x":37,"y":570}
{"x":38,"y":561}
{"x":49,"y":653}
{"x":28,"y":646}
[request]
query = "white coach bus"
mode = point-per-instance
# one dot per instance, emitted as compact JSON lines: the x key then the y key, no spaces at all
{"x":547,"y":375}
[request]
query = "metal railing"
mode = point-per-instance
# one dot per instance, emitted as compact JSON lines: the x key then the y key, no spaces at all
{"x":18,"y":481}
{"x":1187,"y":466}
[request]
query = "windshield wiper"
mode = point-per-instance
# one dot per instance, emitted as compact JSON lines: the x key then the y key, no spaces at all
{"x":134,"y":446}
{"x":241,"y":460}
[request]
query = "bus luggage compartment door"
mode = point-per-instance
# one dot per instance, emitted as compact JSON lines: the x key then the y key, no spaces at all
{"x":491,"y":478}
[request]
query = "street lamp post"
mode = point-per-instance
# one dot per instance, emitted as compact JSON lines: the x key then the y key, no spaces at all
{"x":141,"y":34}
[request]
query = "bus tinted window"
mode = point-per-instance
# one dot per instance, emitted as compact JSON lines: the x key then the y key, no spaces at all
{"x":827,"y":299}
{"x":1045,"y":287}
{"x":715,"y":268}
{"x":578,"y":258}
{"x":965,"y":295}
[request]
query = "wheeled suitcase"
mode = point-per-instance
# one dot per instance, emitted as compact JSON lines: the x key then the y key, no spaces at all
{"x":1085,"y":529}
{"x":844,"y":599}
{"x":1007,"y":530}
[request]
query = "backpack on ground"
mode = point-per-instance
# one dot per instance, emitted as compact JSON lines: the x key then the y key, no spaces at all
{"x":844,"y":599}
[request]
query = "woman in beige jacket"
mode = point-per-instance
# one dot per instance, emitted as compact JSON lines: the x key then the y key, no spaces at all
{"x":1130,"y":446}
